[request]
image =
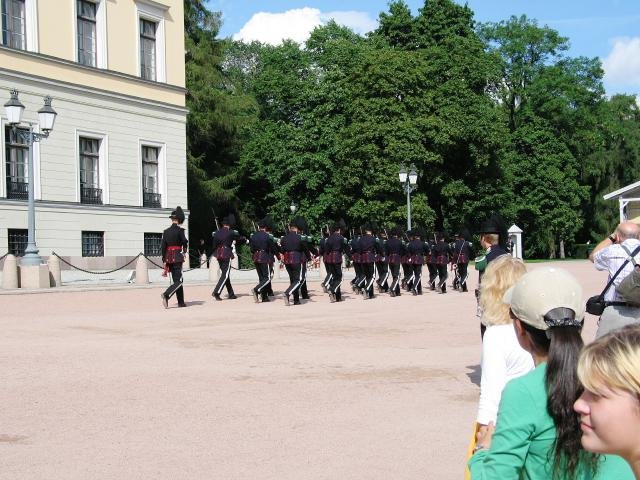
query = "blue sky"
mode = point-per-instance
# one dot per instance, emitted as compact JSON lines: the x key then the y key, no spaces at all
{"x":609,"y":29}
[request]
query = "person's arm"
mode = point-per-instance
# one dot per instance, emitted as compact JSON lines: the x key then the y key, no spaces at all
{"x":183,"y":241}
{"x":163,"y":248}
{"x":505,"y":452}
{"x":607,"y":242}
{"x":494,"y":376}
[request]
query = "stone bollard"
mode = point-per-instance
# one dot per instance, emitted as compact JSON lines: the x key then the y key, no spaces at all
{"x":142,"y":271}
{"x":55,"y":275}
{"x":214,"y":270}
{"x":10,"y":272}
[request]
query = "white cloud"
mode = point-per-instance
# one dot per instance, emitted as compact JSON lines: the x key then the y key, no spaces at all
{"x":297,"y":24}
{"x":622,"y":65}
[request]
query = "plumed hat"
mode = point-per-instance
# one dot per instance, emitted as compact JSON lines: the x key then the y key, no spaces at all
{"x":496,"y":224}
{"x":395,"y":232}
{"x":178,"y":214}
{"x":229,"y":220}
{"x":464,"y":232}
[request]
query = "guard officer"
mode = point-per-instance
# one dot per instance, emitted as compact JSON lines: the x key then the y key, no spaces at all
{"x":222,"y":247}
{"x":263,"y":247}
{"x":394,"y":252}
{"x":369,"y":248}
{"x":463,"y":251}
{"x":293,"y":250}
{"x":174,"y":247}
{"x":440,"y":252}
{"x":335,"y":245}
{"x":416,"y":250}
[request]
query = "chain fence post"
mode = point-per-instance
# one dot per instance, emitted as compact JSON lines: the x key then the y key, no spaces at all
{"x":142,"y":271}
{"x":10,"y":272}
{"x":55,"y":275}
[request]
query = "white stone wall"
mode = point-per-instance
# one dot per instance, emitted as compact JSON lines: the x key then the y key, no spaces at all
{"x":124,"y":124}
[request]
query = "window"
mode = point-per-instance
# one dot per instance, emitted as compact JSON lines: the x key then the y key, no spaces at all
{"x":18,"y":239}
{"x":148,"y":49}
{"x":14,"y":24}
{"x":87,"y":43}
{"x":152,"y":242}
{"x":150,"y":192}
{"x":90,"y":191}
{"x":17,"y":165}
{"x":93,"y":244}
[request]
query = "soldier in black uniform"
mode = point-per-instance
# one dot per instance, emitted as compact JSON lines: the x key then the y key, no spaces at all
{"x":369,"y":248}
{"x":174,"y":247}
{"x":382,"y":266}
{"x":358,"y":280}
{"x":293,"y":250}
{"x":416,"y":250}
{"x":463,"y":251}
{"x":407,"y":268}
{"x":222,"y":247}
{"x":272,"y":259}
{"x":310,"y":252}
{"x":335,"y":245}
{"x":441,"y":253}
{"x":394,"y":251}
{"x":431,"y":264}
{"x":322,"y":251}
{"x":263,"y":247}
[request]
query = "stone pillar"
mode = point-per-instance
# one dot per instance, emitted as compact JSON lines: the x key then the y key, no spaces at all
{"x":55,"y":275}
{"x":10,"y":272}
{"x":214,"y":270}
{"x":142,"y":271}
{"x":35,"y":276}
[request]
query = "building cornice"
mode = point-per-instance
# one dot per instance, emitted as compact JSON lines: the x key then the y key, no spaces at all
{"x":106,"y":209}
{"x":74,"y":87}
{"x":103,"y":71}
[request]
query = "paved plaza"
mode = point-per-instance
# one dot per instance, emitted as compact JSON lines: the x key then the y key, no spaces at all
{"x":109,"y":385}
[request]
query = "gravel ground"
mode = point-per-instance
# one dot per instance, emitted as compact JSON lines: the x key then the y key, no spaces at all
{"x":107,"y":384}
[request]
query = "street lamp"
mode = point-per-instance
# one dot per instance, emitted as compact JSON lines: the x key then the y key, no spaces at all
{"x":408,"y":178}
{"x":293,"y":208}
{"x":46,"y":119}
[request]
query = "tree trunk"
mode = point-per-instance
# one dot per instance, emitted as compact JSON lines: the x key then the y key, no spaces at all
{"x":562,"y":249}
{"x":552,"y":249}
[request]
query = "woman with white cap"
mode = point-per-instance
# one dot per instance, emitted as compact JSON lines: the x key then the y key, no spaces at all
{"x":537,"y":434}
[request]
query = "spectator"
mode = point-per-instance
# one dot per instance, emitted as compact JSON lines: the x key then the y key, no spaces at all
{"x":609,"y":255}
{"x":609,"y":407}
{"x":503,"y":358}
{"x":537,"y":435}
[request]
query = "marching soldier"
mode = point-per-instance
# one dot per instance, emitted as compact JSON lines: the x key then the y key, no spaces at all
{"x":431,"y":264}
{"x":462,"y":253}
{"x":369,"y":248}
{"x":441,"y":253}
{"x":454,"y":262}
{"x":272,"y":258}
{"x":222,"y":247}
{"x":335,"y":245}
{"x":322,"y":252}
{"x":356,"y":256}
{"x":382,"y":265}
{"x":416,"y":250}
{"x":310,"y":252}
{"x":174,"y":247}
{"x":407,"y":268}
{"x":394,"y":252}
{"x":293,"y":250}
{"x":263,"y":248}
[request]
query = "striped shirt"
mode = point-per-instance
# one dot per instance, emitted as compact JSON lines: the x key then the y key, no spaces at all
{"x":610,"y":259}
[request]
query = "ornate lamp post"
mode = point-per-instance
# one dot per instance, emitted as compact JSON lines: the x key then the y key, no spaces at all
{"x":293,"y":208}
{"x":46,"y":119}
{"x":408,"y":179}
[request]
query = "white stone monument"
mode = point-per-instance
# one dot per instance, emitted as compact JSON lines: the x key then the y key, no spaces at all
{"x":515,"y":237}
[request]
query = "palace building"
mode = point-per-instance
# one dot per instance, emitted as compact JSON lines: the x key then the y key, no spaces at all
{"x":114,"y":166}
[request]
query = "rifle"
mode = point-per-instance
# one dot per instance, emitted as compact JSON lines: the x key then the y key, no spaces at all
{"x":215,"y":218}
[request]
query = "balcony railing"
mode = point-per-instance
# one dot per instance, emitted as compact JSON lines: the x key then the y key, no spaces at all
{"x":151,"y":200}
{"x":18,"y":190}
{"x":91,"y":195}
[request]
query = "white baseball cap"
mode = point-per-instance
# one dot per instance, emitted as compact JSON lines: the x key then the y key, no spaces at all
{"x":541,"y":290}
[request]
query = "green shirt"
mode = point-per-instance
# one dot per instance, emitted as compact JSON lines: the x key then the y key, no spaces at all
{"x":524,"y":438}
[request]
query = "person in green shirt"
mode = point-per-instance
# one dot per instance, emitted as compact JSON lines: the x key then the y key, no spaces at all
{"x":537,"y":434}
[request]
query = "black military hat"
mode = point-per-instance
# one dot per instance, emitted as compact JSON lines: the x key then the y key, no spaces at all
{"x":464,"y":233}
{"x":369,"y":227}
{"x":395,"y":232}
{"x":300,"y":223}
{"x":178,"y":214}
{"x":418,"y":232}
{"x":342,"y":225}
{"x":269,"y":223}
{"x":229,"y":220}
{"x":493,"y":224}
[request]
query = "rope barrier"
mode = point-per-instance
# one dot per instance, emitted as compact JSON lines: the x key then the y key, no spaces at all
{"x":96,"y":273}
